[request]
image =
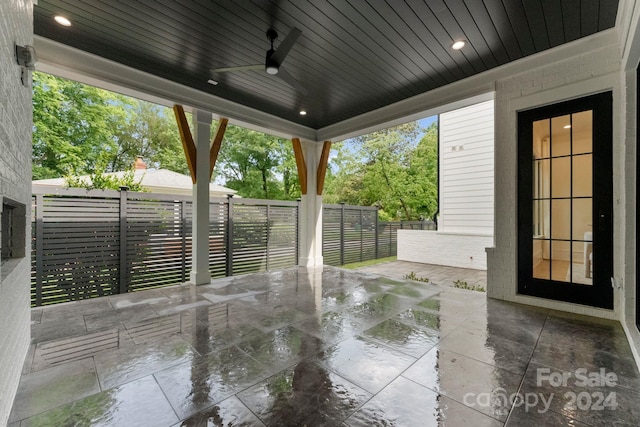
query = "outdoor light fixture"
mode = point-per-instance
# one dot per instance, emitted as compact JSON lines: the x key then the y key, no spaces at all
{"x":62,"y":21}
{"x":271,"y":69}
{"x":212,"y":82}
{"x":26,"y":58}
{"x":271,"y":65}
{"x":303,"y":112}
{"x":458,"y":45}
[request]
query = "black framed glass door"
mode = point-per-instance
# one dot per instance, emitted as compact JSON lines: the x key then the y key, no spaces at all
{"x":565,"y":185}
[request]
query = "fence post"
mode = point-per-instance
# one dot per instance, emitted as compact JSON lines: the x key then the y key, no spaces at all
{"x":298,"y":221}
{"x":229,"y":248}
{"x":342,"y":233}
{"x":39,"y":249}
{"x":183,"y":235}
{"x":376,"y":231}
{"x":124,"y":277}
{"x":268,"y":231}
{"x":390,"y":240}
{"x":361,"y":235}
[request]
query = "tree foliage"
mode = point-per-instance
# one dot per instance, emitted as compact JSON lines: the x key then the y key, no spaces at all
{"x":258,"y":165}
{"x":80,"y":129}
{"x":84,"y":130}
{"x":390,"y":170}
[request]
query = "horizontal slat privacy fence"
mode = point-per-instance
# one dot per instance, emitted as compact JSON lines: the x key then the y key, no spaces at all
{"x":354,"y":234}
{"x":102,"y":242}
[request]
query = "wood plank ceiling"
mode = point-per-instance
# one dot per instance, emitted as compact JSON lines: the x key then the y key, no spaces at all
{"x":353,"y":56}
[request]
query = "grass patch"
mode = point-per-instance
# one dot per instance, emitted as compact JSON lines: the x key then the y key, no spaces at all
{"x":355,"y":265}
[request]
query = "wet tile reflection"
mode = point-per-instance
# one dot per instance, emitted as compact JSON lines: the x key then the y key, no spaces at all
{"x":315,"y":347}
{"x":307,"y":394}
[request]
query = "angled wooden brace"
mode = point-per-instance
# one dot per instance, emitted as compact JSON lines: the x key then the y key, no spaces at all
{"x":187,"y":140}
{"x":215,"y":145}
{"x":301,"y":165}
{"x":322,"y":167}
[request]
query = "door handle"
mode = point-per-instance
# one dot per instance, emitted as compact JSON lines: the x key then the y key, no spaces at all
{"x":602,"y":221}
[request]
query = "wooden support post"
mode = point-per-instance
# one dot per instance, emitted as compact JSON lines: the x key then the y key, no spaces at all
{"x":215,"y":145}
{"x":187,"y":140}
{"x":301,"y":165}
{"x":322,"y":167}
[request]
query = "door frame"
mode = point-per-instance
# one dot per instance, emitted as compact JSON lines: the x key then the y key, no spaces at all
{"x":600,"y":293}
{"x":635,"y":243}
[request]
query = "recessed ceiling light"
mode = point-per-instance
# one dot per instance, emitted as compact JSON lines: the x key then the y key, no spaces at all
{"x":567,"y":126}
{"x":303,"y":112}
{"x":212,"y":82}
{"x":458,"y":45}
{"x":62,"y":21}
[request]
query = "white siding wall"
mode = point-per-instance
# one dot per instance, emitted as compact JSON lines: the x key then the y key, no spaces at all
{"x":466,"y":170}
{"x":435,"y":247}
{"x":15,"y":184}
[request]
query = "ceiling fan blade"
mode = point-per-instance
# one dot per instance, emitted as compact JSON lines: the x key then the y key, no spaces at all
{"x":291,"y":81}
{"x":286,"y":45}
{"x":239,"y":68}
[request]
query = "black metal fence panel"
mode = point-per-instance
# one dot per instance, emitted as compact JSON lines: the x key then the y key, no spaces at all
{"x":349,"y":234}
{"x":94,"y":243}
{"x":354,"y":234}
{"x":387,"y":239}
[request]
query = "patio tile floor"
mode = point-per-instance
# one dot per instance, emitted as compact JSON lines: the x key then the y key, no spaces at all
{"x":324,"y":348}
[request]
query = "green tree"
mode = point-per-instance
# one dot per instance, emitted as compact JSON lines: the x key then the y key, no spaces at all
{"x":101,"y":180}
{"x":81,"y":129}
{"x":149,"y":131}
{"x":73,"y":125}
{"x":388,"y":169}
{"x":257,"y":165}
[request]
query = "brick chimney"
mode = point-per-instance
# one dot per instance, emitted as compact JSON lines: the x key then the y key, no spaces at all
{"x":139,"y":164}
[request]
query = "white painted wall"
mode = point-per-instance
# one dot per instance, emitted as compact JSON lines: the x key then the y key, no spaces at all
{"x":15,"y":184}
{"x":466,"y":169}
{"x":439,"y":248}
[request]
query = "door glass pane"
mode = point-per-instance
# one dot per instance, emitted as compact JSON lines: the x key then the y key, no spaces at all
{"x":541,"y":218}
{"x":541,"y":134}
{"x":582,"y":126}
{"x":582,"y":219}
{"x":542,"y":179}
{"x":560,"y":261}
{"x":541,"y":264}
{"x":581,"y":267}
{"x":561,"y":177}
{"x":582,"y":175}
{"x":561,"y":219}
{"x":561,"y":136}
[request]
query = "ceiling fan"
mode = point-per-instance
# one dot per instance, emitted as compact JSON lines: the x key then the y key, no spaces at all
{"x":274,"y":59}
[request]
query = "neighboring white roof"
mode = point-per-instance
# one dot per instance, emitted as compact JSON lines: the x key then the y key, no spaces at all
{"x":153,"y":180}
